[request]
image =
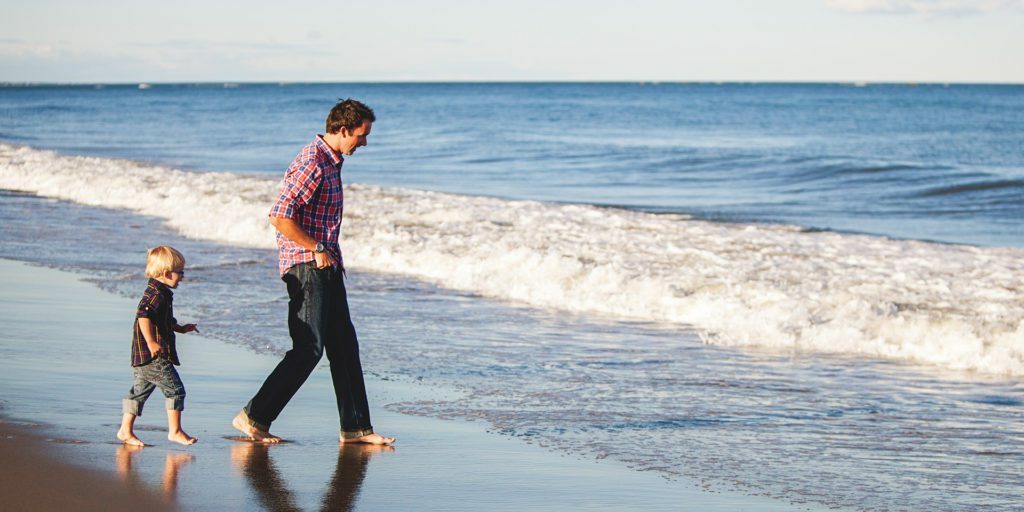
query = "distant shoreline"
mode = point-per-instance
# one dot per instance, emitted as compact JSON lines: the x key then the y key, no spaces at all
{"x":653,"y":82}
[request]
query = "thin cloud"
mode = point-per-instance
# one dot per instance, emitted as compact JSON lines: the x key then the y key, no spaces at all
{"x":25,"y":50}
{"x":925,"y":7}
{"x":449,"y":40}
{"x":237,"y":48}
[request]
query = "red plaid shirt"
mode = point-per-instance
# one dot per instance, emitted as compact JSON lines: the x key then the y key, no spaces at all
{"x":312,"y":196}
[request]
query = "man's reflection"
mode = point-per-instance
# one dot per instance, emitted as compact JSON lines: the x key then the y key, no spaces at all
{"x":254,"y":461}
{"x":348,"y":475}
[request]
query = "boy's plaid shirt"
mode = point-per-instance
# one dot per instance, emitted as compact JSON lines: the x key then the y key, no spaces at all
{"x":157,"y":306}
{"x":311,"y":195}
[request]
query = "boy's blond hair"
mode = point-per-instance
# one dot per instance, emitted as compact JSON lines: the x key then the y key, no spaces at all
{"x":163,"y":259}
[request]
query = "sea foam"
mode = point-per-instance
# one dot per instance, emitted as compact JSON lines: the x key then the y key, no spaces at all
{"x":770,"y":286}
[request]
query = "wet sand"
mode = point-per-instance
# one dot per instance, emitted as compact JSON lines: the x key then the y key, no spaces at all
{"x":64,"y":366}
{"x":34,"y":478}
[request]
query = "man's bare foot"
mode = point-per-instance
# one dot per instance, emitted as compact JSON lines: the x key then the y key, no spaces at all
{"x":181,"y":437}
{"x":129,"y":438}
{"x":367,"y":439}
{"x":244,"y":425}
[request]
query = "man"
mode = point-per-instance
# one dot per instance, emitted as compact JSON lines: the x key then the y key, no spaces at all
{"x":307,"y":216}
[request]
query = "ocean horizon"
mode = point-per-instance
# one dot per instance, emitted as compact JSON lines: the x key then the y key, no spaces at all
{"x":851,"y":81}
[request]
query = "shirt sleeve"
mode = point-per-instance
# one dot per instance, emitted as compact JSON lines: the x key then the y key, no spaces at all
{"x":300,"y":183}
{"x":149,"y":304}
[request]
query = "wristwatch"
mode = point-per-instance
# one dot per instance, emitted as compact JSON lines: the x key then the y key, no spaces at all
{"x":319,"y":247}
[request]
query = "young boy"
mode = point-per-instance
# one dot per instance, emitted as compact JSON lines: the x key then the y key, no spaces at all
{"x":153,"y":350}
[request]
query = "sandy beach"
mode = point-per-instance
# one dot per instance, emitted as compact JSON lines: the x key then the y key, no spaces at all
{"x":35,"y":478}
{"x":64,"y":367}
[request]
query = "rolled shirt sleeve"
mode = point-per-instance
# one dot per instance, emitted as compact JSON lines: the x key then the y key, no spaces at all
{"x":300,"y":184}
{"x":149,"y":304}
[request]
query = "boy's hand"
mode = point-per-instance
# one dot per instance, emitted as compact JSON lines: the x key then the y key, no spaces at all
{"x":159,"y":352}
{"x":188,"y":328}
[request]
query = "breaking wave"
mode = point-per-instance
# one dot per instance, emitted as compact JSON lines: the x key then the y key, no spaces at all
{"x":773,"y":286}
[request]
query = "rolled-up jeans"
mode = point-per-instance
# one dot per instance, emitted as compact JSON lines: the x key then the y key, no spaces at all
{"x":318,"y":321}
{"x":158,"y":373}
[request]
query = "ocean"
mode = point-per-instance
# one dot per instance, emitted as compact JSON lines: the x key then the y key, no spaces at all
{"x":808,"y":291}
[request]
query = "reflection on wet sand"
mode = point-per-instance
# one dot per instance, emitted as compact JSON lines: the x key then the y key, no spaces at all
{"x":349,"y":472}
{"x":255,"y":463}
{"x":173,"y":463}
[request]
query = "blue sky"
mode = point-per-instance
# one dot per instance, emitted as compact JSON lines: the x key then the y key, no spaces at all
{"x":400,"y":40}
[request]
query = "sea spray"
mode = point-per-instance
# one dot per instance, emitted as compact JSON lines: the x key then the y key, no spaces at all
{"x":763,"y":285}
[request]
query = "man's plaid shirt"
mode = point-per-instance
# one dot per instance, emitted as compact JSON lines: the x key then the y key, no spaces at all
{"x":312,"y":196}
{"x":156,"y":305}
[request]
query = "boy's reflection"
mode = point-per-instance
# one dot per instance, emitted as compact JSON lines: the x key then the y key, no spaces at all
{"x":173,"y":463}
{"x":254,"y":461}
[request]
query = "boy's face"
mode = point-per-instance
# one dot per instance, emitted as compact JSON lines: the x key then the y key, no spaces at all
{"x":173,"y":277}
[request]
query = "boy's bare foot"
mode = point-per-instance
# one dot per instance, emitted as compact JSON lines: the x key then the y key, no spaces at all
{"x":181,"y":437}
{"x":367,"y":439}
{"x":129,"y":438}
{"x":246,"y":426}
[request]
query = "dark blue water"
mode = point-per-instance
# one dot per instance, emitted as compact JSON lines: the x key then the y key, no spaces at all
{"x":930,"y":162}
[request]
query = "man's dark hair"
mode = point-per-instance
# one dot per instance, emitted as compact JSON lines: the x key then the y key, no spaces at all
{"x":348,"y":114}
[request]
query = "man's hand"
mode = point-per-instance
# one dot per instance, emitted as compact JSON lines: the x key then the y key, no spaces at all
{"x":158,"y":352}
{"x":324,"y":259}
{"x":292,"y":230}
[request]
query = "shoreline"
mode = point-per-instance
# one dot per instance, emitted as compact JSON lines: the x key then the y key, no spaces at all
{"x":437,"y":464}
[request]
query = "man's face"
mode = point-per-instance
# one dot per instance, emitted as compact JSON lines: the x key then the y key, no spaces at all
{"x":352,"y":139}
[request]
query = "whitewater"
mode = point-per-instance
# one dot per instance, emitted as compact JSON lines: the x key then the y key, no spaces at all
{"x":767,"y":286}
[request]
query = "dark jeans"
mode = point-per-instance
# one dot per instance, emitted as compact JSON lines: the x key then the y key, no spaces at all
{"x":318,"y":319}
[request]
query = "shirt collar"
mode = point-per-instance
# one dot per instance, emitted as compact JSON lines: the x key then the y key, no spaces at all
{"x":160,"y":287}
{"x":335,"y":158}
